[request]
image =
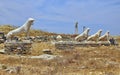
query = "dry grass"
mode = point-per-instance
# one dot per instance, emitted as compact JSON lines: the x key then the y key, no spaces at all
{"x":33,"y":32}
{"x":38,"y":47}
{"x":80,"y":61}
{"x":103,"y":60}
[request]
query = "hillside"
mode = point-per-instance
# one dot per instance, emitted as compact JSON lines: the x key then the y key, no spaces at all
{"x":102,"y":60}
{"x":33,"y":32}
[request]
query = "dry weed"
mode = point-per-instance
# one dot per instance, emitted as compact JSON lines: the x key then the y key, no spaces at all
{"x":80,"y":61}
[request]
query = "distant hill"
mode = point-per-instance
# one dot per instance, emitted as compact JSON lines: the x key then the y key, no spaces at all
{"x":33,"y":32}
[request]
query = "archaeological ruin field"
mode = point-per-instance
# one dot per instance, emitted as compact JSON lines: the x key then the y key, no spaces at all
{"x":100,"y":60}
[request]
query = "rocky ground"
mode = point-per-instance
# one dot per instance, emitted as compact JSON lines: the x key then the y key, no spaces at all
{"x":103,"y":60}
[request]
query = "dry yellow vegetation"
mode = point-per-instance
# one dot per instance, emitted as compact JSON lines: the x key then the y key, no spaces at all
{"x":33,"y":32}
{"x":103,"y":60}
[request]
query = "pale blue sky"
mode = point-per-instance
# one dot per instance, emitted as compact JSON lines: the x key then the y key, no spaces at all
{"x":60,"y":15}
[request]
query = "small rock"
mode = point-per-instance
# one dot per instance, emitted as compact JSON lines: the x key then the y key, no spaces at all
{"x":13,"y":69}
{"x":47,"y":51}
{"x":2,"y":51}
{"x":83,"y":67}
{"x":4,"y":66}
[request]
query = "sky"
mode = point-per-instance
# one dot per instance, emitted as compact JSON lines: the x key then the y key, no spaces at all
{"x":60,"y":16}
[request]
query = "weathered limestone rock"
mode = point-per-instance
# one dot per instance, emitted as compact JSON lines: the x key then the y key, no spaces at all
{"x":45,"y":57}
